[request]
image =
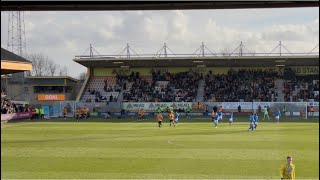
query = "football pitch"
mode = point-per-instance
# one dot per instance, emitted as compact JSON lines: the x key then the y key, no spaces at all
{"x":140,"y":150}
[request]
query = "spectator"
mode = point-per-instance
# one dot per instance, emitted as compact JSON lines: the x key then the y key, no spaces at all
{"x":239,"y":108}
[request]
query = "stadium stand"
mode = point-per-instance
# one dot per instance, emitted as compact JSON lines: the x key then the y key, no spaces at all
{"x":302,"y":88}
{"x":163,"y":87}
{"x":101,"y":89}
{"x":242,"y":85}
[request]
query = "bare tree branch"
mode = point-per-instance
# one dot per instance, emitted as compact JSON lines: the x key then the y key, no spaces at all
{"x":42,"y":65}
{"x":82,"y":76}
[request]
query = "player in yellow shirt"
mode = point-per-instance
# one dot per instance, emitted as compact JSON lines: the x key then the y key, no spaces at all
{"x":212,"y":115}
{"x":84,"y":112}
{"x":171,"y":118}
{"x":143,"y":114}
{"x":78,"y":113}
{"x":65,"y":112}
{"x":288,"y":170}
{"x":140,"y":113}
{"x":159,"y":118}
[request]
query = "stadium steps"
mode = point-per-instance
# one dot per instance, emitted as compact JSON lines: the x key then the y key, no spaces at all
{"x":200,"y":91}
{"x":120,"y":97}
{"x":280,"y":88}
{"x":83,"y":88}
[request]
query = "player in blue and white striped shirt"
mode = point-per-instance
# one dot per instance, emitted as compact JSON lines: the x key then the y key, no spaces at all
{"x":230,"y":118}
{"x":256,"y":121}
{"x":278,"y":115}
{"x":220,"y":116}
{"x":176,"y":118}
{"x":251,"y":122}
{"x":215,"y":120}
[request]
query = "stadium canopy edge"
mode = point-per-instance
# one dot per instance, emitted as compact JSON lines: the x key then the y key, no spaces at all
{"x":147,"y":5}
{"x":12,"y":63}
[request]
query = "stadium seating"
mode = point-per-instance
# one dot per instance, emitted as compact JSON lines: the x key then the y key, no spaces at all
{"x":302,"y":89}
{"x":96,"y":89}
{"x":235,"y":86}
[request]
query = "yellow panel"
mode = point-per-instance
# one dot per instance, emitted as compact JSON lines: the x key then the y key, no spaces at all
{"x":16,"y":66}
{"x":306,"y":70}
{"x":301,"y":70}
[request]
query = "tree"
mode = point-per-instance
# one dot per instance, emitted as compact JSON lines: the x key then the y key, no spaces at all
{"x":43,"y":66}
{"x":82,"y":76}
{"x":39,"y":64}
{"x":63,"y":71}
{"x":52,"y":67}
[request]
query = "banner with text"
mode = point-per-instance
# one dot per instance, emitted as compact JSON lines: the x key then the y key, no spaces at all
{"x":300,"y":70}
{"x":14,"y":116}
{"x":153,"y":106}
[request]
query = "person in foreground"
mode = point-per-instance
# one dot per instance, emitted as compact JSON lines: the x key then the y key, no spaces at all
{"x":278,"y":115}
{"x":231,"y":118}
{"x":256,"y":121}
{"x":251,"y":122}
{"x":215,"y":120}
{"x":171,"y":117}
{"x":159,"y":118}
{"x":176,"y":118}
{"x":288,"y":170}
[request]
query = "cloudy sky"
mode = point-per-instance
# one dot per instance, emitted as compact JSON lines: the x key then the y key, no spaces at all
{"x":62,"y":35}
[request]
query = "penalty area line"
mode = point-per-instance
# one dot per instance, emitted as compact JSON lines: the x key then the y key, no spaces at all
{"x":173,"y":143}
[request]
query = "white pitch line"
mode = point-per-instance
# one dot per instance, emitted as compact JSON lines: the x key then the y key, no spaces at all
{"x":170,"y":142}
{"x":139,"y":120}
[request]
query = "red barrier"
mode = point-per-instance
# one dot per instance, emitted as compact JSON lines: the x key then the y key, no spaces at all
{"x":13,"y":116}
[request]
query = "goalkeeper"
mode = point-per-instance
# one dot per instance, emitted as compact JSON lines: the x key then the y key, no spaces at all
{"x":266,"y":113}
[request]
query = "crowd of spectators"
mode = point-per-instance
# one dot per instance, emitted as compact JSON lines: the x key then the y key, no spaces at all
{"x":242,"y":85}
{"x":108,"y":87}
{"x":301,"y":88}
{"x":99,"y":97}
{"x":8,"y":107}
{"x":137,"y":88}
{"x":180,"y":87}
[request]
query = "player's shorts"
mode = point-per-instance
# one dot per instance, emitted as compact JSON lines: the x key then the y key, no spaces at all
{"x":64,"y":114}
{"x":171,"y":120}
{"x":176,"y":120}
{"x":216,"y":121}
{"x":256,"y":123}
{"x":277,"y":117}
{"x":220,"y":117}
{"x":230,"y":119}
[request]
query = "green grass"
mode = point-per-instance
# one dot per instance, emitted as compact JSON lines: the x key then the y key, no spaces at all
{"x":140,"y":150}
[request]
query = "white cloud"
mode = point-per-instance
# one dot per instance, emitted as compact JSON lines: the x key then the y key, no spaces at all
{"x":62,"y":35}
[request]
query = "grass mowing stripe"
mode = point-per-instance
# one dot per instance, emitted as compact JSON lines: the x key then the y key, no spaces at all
{"x":124,"y":167}
{"x":208,"y":153}
{"x":141,"y":150}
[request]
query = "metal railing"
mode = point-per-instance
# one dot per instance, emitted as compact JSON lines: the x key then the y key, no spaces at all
{"x":195,"y":55}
